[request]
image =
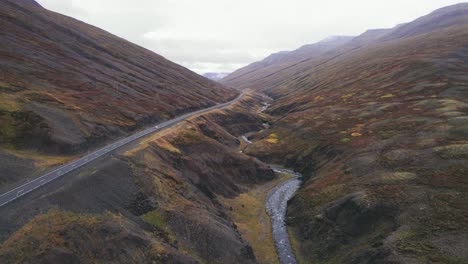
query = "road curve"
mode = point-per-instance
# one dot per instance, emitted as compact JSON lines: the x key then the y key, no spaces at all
{"x":36,"y":183}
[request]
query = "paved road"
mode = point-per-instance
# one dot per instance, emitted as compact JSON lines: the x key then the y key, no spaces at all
{"x":63,"y":170}
{"x":276,"y":205}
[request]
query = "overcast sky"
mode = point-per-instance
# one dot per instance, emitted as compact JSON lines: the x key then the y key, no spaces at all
{"x":223,"y":35}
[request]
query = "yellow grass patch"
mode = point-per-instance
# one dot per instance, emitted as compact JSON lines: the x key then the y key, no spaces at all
{"x":144,"y":143}
{"x":8,"y":102}
{"x":272,"y":138}
{"x":398,"y":176}
{"x":164,"y":144}
{"x":252,"y":220}
{"x":356,"y":134}
{"x":347,"y":95}
{"x":387,"y":96}
{"x":40,"y":160}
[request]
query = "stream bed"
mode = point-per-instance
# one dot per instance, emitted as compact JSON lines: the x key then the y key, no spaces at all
{"x":276,"y":205}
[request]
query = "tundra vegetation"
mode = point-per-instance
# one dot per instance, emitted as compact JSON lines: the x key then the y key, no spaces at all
{"x":380,"y":134}
{"x":377,"y":124}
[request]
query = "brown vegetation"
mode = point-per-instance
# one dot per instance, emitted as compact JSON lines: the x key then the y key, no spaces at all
{"x":163,"y":192}
{"x":380,"y":136}
{"x":67,"y":86}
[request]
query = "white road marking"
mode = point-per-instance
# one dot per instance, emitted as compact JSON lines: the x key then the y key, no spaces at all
{"x":52,"y":175}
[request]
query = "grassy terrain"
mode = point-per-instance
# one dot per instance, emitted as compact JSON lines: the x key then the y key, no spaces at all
{"x":63,"y":236}
{"x":380,"y":135}
{"x":42,"y":161}
{"x":164,"y":191}
{"x":67,"y":87}
{"x":248,"y":213}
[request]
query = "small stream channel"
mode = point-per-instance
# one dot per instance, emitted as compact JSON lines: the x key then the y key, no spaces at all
{"x":276,"y":205}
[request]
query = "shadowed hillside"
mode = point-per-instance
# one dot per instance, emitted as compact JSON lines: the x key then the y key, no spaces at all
{"x":66,"y":86}
{"x":380,"y":133}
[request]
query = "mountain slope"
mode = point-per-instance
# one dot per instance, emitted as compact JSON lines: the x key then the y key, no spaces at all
{"x":67,"y":86}
{"x":380,"y":134}
{"x":442,"y":18}
{"x":250,"y":74}
{"x":159,"y":200}
{"x":271,"y":71}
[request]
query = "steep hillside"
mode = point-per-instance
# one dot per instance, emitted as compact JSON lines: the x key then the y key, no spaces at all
{"x":67,"y":86}
{"x":156,"y":201}
{"x":275,"y":69}
{"x":250,"y":75}
{"x":442,"y":18}
{"x":380,"y":134}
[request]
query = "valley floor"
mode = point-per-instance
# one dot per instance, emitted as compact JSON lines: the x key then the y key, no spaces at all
{"x":250,"y":216}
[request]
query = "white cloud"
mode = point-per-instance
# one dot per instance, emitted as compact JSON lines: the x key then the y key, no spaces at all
{"x":222,"y":35}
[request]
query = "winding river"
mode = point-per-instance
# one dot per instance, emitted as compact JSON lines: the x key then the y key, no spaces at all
{"x":276,"y":205}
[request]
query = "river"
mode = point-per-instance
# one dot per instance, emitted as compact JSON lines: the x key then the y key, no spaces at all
{"x":276,"y":205}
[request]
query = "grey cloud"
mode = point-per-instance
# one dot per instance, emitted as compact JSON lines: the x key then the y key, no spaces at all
{"x":188,"y":50}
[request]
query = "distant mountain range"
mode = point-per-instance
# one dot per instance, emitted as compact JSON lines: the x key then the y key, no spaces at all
{"x":313,"y":54}
{"x":215,"y":76}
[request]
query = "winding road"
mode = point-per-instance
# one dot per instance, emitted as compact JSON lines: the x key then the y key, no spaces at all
{"x":72,"y":166}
